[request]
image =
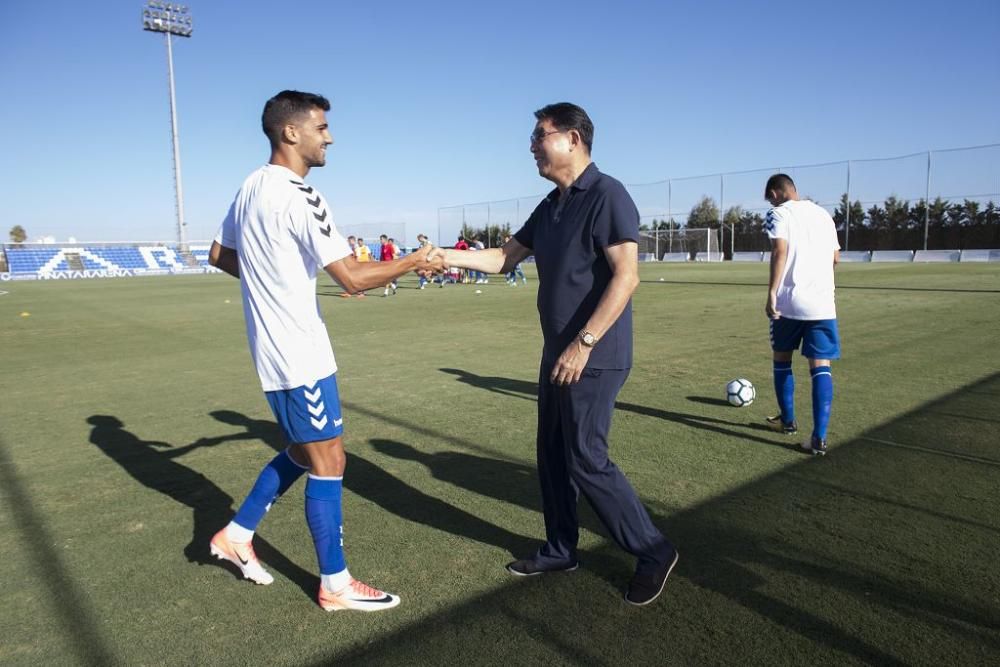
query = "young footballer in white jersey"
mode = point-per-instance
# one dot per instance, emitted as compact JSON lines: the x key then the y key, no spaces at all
{"x":800,"y":303}
{"x":277,"y":235}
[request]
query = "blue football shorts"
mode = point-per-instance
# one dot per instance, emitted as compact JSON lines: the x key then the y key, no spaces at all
{"x":309,"y":413}
{"x":819,"y":338}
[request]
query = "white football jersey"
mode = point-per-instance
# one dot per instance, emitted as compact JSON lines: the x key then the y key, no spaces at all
{"x":805,"y":291}
{"x":283,"y":234}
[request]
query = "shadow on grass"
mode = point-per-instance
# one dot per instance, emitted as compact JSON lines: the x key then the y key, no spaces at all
{"x":882,"y":552}
{"x":873,"y":554}
{"x":529,"y":391}
{"x":68,"y":604}
{"x":514,"y":483}
{"x":705,"y":400}
{"x":397,"y":497}
{"x":369,"y":481}
{"x":152,"y":464}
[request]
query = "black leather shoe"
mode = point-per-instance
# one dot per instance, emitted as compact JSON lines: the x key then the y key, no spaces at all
{"x":646,"y":587}
{"x":529,"y":567}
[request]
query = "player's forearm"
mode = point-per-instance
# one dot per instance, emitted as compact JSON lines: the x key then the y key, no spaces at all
{"x":225,"y":259}
{"x":369,"y":275}
{"x":612,"y":302}
{"x":492,"y":260}
{"x":778,"y":256}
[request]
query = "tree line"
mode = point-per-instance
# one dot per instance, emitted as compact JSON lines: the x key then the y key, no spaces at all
{"x":894,"y":224}
{"x":492,"y":236}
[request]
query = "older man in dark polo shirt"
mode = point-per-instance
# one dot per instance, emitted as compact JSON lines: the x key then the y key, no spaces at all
{"x":584,"y":236}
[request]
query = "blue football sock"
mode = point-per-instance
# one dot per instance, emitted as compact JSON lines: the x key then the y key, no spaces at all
{"x":276,"y":477}
{"x":324,"y":516}
{"x":822,"y":395}
{"x":784,"y":389}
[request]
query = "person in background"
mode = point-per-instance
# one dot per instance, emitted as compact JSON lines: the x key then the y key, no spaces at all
{"x":800,"y":304}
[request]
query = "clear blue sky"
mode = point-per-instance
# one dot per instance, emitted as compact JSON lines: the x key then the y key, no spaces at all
{"x":433,"y":101}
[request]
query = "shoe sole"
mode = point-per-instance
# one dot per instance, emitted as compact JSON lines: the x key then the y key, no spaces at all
{"x":573,"y":567}
{"x":222,"y":555}
{"x":669,"y":570}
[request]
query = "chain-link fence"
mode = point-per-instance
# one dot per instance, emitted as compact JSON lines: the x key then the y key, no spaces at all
{"x":942,"y":199}
{"x":370,"y":232}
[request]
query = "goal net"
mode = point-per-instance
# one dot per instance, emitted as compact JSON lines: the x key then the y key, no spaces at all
{"x":682,"y":245}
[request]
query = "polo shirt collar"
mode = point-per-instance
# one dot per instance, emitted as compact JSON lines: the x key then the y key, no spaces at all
{"x":586,"y":178}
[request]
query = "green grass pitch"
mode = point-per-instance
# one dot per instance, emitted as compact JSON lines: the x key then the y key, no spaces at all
{"x":132,"y":425}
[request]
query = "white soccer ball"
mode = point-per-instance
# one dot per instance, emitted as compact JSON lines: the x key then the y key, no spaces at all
{"x":740,"y":392}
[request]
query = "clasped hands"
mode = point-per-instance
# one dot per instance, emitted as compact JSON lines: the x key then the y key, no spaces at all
{"x":430,"y":261}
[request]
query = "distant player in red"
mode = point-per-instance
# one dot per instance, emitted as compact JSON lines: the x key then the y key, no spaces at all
{"x":462,"y":245}
{"x":385,"y":249}
{"x":386,"y":254}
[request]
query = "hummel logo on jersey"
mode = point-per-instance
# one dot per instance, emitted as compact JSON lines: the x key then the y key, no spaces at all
{"x":325,"y":231}
{"x":302,"y":186}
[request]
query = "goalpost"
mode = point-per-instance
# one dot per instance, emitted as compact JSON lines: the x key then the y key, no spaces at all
{"x":685,"y":244}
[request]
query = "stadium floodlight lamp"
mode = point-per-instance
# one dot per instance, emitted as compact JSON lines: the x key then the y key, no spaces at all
{"x":171,"y":19}
{"x":168,"y":18}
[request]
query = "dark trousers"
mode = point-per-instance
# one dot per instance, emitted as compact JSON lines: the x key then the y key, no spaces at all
{"x":573,"y":426}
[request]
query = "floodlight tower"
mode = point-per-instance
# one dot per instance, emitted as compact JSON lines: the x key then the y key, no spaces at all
{"x":171,"y":19}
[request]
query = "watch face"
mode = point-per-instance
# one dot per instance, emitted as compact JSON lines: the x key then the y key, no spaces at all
{"x":588,"y":339}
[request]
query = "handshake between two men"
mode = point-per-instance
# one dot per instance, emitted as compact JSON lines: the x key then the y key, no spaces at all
{"x":428,"y":260}
{"x":435,"y":260}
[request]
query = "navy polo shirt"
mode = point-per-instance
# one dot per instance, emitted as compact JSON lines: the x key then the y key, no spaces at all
{"x":573,"y":271}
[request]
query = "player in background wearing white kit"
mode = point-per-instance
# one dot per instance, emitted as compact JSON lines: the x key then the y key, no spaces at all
{"x":277,"y":235}
{"x":800,"y":303}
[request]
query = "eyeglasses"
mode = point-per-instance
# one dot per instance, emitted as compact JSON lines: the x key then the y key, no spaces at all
{"x":538,"y":136}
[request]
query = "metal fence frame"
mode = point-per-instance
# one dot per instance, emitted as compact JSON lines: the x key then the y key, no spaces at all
{"x":849,"y":180}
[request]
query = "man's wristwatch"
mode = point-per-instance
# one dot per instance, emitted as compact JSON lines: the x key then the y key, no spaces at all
{"x":587,"y":339}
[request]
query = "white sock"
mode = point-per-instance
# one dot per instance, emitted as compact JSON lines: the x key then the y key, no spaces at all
{"x":336,"y":582}
{"x":237,"y":533}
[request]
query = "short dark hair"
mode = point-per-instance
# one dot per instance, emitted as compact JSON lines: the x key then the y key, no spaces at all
{"x":567,"y":116}
{"x":779,"y":182}
{"x":286,"y":107}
